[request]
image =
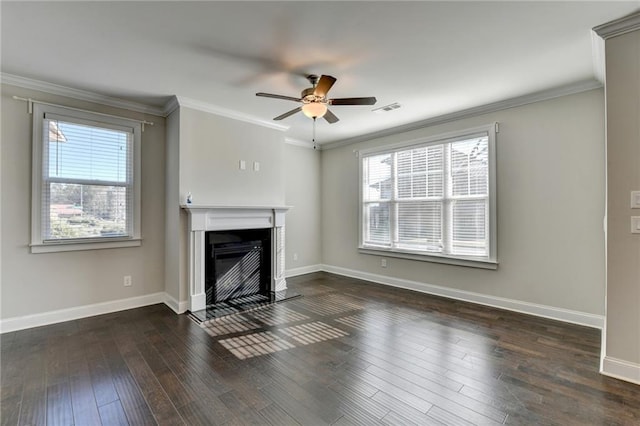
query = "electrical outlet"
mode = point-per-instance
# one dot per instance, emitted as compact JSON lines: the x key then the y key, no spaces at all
{"x":127,"y":280}
{"x":295,"y":256}
{"x":383,"y":263}
{"x":256,"y":166}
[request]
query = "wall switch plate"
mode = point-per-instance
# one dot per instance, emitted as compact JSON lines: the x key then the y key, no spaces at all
{"x":242,"y":165}
{"x":127,"y":280}
{"x":635,"y":199}
{"x":256,"y":166}
{"x":635,"y":224}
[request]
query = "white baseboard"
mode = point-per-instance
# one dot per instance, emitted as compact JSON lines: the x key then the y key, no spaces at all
{"x":302,"y":270}
{"x":177,"y":307}
{"x":560,"y":314}
{"x":53,"y":317}
{"x":614,"y":368}
{"x":619,"y":369}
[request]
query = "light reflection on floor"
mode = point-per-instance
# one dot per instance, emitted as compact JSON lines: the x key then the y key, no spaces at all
{"x":258,"y":332}
{"x":255,"y":344}
{"x":313,"y":332}
{"x":330,"y":304}
{"x":278,"y":314}
{"x":228,"y":325}
{"x":269,"y":329}
{"x":375,"y":319}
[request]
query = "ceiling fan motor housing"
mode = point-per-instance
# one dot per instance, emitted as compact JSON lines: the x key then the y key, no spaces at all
{"x":307,"y":96}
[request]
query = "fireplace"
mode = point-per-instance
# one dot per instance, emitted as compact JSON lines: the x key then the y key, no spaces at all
{"x":237,"y":264}
{"x":235,"y":232}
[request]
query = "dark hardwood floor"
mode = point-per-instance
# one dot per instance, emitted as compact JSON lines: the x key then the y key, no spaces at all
{"x":346,"y":353}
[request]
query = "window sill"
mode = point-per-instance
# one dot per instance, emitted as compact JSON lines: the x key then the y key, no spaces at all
{"x":458,"y":261}
{"x":81,"y":246}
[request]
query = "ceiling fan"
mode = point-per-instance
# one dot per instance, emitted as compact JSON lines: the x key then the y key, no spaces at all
{"x":314,"y":99}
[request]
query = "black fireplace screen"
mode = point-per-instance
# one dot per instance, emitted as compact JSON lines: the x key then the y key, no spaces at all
{"x":238,"y":264}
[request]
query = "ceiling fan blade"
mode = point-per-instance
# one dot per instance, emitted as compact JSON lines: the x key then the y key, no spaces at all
{"x":271,"y":95}
{"x":331,"y":117}
{"x":324,"y":85}
{"x":287,"y":114}
{"x":353,"y":101}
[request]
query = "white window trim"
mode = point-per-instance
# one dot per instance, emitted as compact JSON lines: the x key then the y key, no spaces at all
{"x":491,"y":262}
{"x":38,"y":244}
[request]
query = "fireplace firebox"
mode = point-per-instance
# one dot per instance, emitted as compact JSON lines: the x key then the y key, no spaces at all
{"x":238,"y":264}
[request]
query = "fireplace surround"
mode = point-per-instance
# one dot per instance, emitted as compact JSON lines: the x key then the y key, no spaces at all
{"x":203,"y":219}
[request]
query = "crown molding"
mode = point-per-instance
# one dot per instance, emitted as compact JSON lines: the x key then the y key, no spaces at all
{"x":558,"y":92}
{"x":82,"y":95}
{"x":224,"y":112}
{"x":618,"y":27}
{"x":597,"y":56}
{"x":171,"y":106}
{"x":298,"y":142}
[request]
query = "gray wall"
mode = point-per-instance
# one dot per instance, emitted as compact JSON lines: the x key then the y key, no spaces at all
{"x":203,"y":158}
{"x":199,"y":154}
{"x":623,"y":176}
{"x":211,"y":147}
{"x":35,"y":283}
{"x":550,"y":168}
{"x":550,"y":207}
{"x":302,"y":192}
{"x":172,"y":210}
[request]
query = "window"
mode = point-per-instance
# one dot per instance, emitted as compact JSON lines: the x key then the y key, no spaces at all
{"x":86,"y":180}
{"x":431,"y":199}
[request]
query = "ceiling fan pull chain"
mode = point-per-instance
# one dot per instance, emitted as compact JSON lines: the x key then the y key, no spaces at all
{"x":314,"y":133}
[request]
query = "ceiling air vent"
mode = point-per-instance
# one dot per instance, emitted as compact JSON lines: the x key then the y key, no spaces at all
{"x":387,"y":108}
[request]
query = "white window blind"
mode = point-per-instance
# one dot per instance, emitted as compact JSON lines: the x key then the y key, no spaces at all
{"x":87,"y":180}
{"x":85,"y":176}
{"x":432,"y":198}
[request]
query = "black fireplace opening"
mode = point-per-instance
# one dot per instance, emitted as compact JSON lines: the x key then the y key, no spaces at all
{"x":237,"y":265}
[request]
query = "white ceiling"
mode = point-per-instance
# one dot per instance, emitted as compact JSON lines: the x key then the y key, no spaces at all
{"x":433,"y":58}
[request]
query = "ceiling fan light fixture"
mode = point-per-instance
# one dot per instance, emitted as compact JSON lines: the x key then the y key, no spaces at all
{"x":314,"y":109}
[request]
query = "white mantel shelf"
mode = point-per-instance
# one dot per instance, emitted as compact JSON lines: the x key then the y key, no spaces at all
{"x":203,"y":218}
{"x":205,"y":207}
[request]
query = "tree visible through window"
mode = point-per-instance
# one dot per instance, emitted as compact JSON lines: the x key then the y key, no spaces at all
{"x":85,"y":186}
{"x":86,"y":181}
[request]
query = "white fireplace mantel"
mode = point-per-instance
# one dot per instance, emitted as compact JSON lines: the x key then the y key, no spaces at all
{"x":228,"y":218}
